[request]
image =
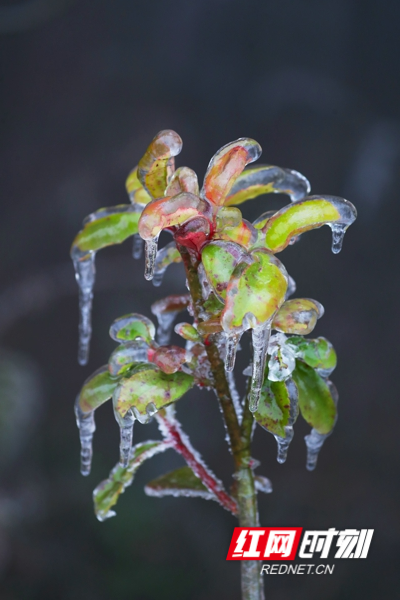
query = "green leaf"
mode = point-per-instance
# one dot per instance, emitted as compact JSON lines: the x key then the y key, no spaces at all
{"x":157,"y":165}
{"x":106,"y":494}
{"x":133,"y":326}
{"x":318,"y":353}
{"x":188,"y":332}
{"x":315,"y":400}
{"x":255,"y":292}
{"x":298,"y":316}
{"x":213,"y":304}
{"x":180,"y":482}
{"x":219,"y":265}
{"x":106,"y":227}
{"x":273,"y":411}
{"x":297,"y":218}
{"x":97,"y":389}
{"x":149,"y":390}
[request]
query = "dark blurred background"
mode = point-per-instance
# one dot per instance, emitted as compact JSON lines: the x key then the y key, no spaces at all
{"x":85,"y":86}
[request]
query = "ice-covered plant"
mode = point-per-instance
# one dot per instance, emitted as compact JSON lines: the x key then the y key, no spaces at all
{"x":236,"y":283}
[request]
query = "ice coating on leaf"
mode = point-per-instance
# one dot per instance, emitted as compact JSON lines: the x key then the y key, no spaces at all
{"x":291,"y":287}
{"x":183,"y":180}
{"x":315,"y":440}
{"x":318,"y":353}
{"x":283,"y":442}
{"x":316,"y":403}
{"x":260,"y":338}
{"x":262,"y":220}
{"x":105,"y":227}
{"x":106,"y":494}
{"x":157,"y":165}
{"x":193,"y":234}
{"x":169,"y":358}
{"x":254,"y":293}
{"x":137,"y":194}
{"x":307,"y":214}
{"x":225,"y":167}
{"x":97,"y":389}
{"x":244,"y":234}
{"x":166,"y":311}
{"x":210,"y":326}
{"x":131,"y":327}
{"x":171,"y":211}
{"x":85,"y":275}
{"x":148,"y":390}
{"x":273,"y":412}
{"x":282,"y":360}
{"x":188,"y":332}
{"x":228,"y":216}
{"x":126,"y":355}
{"x":263,"y":484}
{"x":165,"y":257}
{"x":298,"y":316}
{"x":219,"y":260}
{"x":87,"y":427}
{"x":180,"y":482}
{"x":266,"y":179}
{"x":232,"y":341}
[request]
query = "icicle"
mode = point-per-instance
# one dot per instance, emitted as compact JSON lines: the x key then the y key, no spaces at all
{"x":260,"y":336}
{"x":235,"y":395}
{"x":167,"y":255}
{"x":338,"y":231}
{"x":314,"y":440}
{"x":283,"y":444}
{"x":126,"y":434}
{"x":165,"y":327}
{"x":87,"y":427}
{"x":85,"y":274}
{"x":150,"y":257}
{"x":232,"y":341}
{"x":137,"y":248}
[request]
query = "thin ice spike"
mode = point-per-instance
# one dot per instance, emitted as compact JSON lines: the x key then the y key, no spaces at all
{"x":150,"y":257}
{"x":87,"y":427}
{"x":235,"y":395}
{"x":85,"y":274}
{"x":260,"y":336}
{"x":232,"y":341}
{"x":126,"y":435}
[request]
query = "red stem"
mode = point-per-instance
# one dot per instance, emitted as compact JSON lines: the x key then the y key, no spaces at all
{"x":174,"y":436}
